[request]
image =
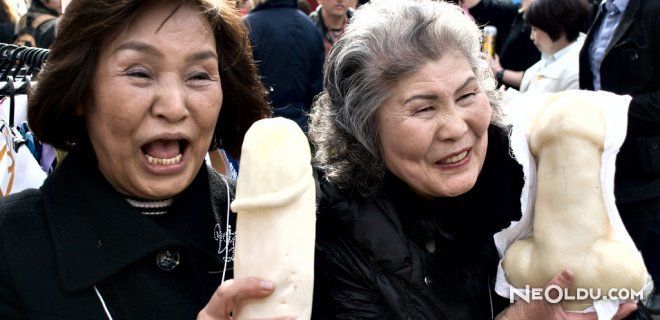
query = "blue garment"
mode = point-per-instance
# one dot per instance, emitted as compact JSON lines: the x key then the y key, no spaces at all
{"x":614,"y":12}
{"x":288,"y":50}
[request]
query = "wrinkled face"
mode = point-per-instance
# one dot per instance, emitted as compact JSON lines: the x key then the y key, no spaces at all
{"x":337,"y":8}
{"x":542,"y":41}
{"x":156,"y":97}
{"x":433,"y":128}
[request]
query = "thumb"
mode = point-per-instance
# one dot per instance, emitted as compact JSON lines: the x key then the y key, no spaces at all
{"x":561,"y":281}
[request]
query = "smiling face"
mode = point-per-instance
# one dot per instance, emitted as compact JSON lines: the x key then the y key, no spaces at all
{"x":433,"y":128}
{"x":156,"y":97}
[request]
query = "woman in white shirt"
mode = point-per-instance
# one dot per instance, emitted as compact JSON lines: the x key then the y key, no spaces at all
{"x":556,"y":33}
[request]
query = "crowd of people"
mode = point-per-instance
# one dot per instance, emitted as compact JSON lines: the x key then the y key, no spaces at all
{"x":402,"y":108}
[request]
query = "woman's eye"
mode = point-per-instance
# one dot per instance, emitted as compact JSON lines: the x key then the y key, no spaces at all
{"x":423,"y":110}
{"x":138,"y":73}
{"x":467,"y":96}
{"x":200,"y":76}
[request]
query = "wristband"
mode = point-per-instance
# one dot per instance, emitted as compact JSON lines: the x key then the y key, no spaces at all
{"x":499,"y":75}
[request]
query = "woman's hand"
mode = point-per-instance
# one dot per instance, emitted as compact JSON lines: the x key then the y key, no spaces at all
{"x":230,"y":292}
{"x":545,"y":310}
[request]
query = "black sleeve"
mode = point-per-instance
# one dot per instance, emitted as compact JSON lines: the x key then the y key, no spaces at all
{"x":341,"y":289}
{"x":645,"y":108}
{"x":9,"y":303}
{"x":46,"y":33}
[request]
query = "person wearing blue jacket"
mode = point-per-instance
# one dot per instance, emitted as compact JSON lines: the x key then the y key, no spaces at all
{"x":288,"y":50}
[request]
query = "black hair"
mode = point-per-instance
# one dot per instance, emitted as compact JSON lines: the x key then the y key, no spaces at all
{"x":557,"y":17}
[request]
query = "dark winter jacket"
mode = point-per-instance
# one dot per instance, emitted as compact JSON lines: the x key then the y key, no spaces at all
{"x":75,"y":247}
{"x":288,"y":50}
{"x":400,"y":256}
{"x":631,"y":66}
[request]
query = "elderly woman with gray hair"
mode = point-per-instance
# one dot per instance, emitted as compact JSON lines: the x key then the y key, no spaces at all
{"x":417,"y":175}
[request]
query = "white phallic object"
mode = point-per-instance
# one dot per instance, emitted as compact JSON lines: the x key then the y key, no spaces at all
{"x":567,"y":144}
{"x":276,"y":219}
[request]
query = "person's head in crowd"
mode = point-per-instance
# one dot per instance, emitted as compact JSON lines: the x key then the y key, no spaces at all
{"x":335,"y":8}
{"x":406,"y":91}
{"x":555,"y":23}
{"x":304,"y":6}
{"x":54,"y":6}
{"x":145,"y":84}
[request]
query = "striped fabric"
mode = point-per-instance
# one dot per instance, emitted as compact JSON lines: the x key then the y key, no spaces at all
{"x":151,"y":207}
{"x":613,"y":11}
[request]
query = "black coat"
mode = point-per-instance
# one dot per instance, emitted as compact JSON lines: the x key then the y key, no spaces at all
{"x":372,"y":261}
{"x":632,"y":66}
{"x":77,"y":234}
{"x":288,"y":50}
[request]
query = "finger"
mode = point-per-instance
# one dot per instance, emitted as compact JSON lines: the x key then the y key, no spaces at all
{"x":563,"y":280}
{"x":226,"y":297}
{"x":581,"y":316}
{"x":625,"y":309}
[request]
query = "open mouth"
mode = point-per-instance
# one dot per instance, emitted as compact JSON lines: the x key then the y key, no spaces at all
{"x":457,"y":158}
{"x":165,"y":152}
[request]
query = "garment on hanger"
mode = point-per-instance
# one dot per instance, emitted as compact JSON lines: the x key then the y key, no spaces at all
{"x":19,"y":170}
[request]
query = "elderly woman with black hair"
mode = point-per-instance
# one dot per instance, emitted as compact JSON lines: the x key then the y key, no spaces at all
{"x":133,"y":224}
{"x":417,"y":173}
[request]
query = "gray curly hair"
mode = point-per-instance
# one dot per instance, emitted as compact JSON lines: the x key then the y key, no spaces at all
{"x":386,"y":41}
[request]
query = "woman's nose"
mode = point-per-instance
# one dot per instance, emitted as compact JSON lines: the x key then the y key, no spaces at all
{"x":171,"y":103}
{"x":452,"y":127}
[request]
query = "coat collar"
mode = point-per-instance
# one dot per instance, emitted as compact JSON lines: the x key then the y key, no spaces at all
{"x":556,"y":69}
{"x":626,"y":21}
{"x":95,"y":231}
{"x":276,"y":4}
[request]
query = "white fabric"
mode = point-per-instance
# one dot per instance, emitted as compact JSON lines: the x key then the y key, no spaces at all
{"x":18,"y":170}
{"x":521,"y":111}
{"x":558,"y":75}
{"x":20,"y":109}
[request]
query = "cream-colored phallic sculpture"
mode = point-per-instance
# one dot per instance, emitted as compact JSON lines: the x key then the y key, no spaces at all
{"x":276,"y":211}
{"x":571,"y":224}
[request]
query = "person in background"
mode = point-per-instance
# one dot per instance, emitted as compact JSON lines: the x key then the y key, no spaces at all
{"x":620,"y":54}
{"x":416,"y":172}
{"x":37,"y":27}
{"x":515,"y":51}
{"x":288,"y":50}
{"x":556,"y":26}
{"x":304,"y":6}
{"x":132,"y":224}
{"x":331,"y":18}
{"x":8,"y":21}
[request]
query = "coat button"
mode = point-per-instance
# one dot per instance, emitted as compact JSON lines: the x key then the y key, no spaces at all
{"x":428,"y":281}
{"x":654,"y":146}
{"x":168,"y":259}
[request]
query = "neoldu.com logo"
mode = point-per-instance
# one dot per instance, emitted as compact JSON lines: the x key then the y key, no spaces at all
{"x":556,"y":294}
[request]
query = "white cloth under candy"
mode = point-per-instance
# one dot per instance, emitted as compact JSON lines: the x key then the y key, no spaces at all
{"x":521,"y":113}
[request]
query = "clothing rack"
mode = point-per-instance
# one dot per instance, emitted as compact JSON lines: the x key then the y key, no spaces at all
{"x":18,"y":65}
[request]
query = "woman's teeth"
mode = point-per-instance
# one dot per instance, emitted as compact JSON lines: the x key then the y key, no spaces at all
{"x":454,"y":159}
{"x":165,"y":162}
